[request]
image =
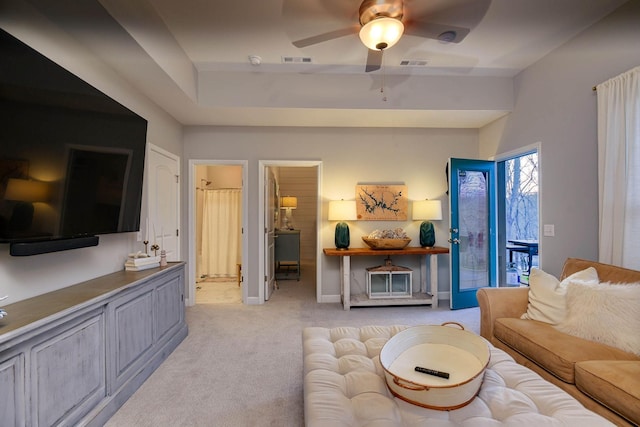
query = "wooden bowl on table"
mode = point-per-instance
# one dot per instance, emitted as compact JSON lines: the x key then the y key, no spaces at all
{"x":386,"y":244}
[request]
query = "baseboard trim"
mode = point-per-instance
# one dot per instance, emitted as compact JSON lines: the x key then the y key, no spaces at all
{"x":253,"y":301}
{"x":331,"y":299}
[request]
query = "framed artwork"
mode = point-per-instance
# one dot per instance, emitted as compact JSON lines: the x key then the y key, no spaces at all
{"x":379,"y":202}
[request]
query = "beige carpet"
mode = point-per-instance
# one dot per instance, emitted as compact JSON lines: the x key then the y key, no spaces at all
{"x":241,"y":366}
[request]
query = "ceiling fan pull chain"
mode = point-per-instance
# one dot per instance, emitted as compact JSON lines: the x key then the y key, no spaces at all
{"x":384,"y":97}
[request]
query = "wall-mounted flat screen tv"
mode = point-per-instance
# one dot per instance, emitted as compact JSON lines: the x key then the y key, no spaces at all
{"x":71,"y":158}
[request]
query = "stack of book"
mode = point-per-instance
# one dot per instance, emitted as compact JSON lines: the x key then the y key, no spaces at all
{"x":141,"y":263}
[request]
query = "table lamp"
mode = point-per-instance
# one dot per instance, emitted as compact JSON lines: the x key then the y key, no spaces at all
{"x":342,"y":210}
{"x":25,"y":192}
{"x":288,"y":203}
{"x":427,"y":210}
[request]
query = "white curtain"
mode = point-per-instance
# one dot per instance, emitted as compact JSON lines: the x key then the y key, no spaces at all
{"x":221,"y":233}
{"x":619,"y":169}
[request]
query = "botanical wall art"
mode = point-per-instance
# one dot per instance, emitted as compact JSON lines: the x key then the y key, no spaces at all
{"x":379,"y":202}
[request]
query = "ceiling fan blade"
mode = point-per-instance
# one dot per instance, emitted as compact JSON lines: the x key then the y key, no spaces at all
{"x":431,"y":30}
{"x":374,"y":60}
{"x":320,"y":38}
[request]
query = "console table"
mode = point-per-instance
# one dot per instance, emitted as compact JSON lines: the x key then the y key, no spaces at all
{"x":428,"y":285}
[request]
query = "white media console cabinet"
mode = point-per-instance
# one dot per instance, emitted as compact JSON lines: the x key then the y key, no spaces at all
{"x":75,"y":355}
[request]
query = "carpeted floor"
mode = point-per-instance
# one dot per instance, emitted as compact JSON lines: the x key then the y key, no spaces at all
{"x":242,"y":365}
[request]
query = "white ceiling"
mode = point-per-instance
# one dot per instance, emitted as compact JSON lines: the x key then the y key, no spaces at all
{"x":192,"y":58}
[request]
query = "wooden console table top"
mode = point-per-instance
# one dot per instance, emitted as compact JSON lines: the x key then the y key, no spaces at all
{"x":410,"y":250}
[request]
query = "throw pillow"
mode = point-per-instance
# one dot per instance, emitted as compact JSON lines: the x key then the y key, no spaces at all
{"x":604,"y":312}
{"x":547,"y":294}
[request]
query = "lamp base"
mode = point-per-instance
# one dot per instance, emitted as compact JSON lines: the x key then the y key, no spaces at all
{"x":342,"y":239}
{"x":427,"y":234}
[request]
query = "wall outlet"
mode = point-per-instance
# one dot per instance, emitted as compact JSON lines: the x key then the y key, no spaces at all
{"x":139,"y":236}
{"x":549,"y":230}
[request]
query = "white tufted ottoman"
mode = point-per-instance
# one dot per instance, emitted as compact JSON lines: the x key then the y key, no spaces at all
{"x":344,"y":385}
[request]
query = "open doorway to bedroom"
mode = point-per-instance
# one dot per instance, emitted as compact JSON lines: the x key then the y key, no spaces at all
{"x":289,"y":215}
{"x":218,"y":233}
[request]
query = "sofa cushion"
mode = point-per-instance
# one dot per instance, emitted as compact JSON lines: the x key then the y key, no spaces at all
{"x":547,"y":294}
{"x":553,"y":350}
{"x":615,"y":384}
{"x":604,"y":312}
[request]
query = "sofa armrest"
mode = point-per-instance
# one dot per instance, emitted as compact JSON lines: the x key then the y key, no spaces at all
{"x":496,"y":303}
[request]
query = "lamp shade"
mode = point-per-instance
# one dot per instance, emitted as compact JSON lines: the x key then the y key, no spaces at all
{"x":25,"y":190}
{"x":342,"y":210}
{"x":427,"y":210}
{"x":289,"y":202}
{"x":381,"y":33}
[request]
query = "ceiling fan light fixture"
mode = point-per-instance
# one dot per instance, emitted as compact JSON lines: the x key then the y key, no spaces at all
{"x":381,"y":33}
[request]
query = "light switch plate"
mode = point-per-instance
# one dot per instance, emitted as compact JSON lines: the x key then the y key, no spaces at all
{"x":549,"y":230}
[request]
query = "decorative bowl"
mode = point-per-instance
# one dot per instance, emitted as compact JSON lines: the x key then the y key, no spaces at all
{"x":386,"y":243}
{"x":457,"y":352}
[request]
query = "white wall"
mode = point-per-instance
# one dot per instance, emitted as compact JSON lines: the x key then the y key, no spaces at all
{"x":555,"y":105}
{"x":24,"y":277}
{"x":415,"y":157}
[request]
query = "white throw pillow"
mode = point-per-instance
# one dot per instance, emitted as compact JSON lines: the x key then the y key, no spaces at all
{"x":604,"y":312}
{"x":547,"y":294}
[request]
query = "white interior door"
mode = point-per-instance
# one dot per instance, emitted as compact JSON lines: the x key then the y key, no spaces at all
{"x":270,"y":200}
{"x":163,"y":202}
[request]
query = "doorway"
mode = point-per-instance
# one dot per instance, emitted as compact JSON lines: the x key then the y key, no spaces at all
{"x":219,"y":239}
{"x":289,"y":204}
{"x":518,"y":209}
{"x":479,"y":257}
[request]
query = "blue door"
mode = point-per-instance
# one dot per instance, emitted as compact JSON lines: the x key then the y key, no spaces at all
{"x":473,"y":203}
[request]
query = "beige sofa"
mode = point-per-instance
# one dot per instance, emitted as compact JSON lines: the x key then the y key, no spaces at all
{"x":605,"y":379}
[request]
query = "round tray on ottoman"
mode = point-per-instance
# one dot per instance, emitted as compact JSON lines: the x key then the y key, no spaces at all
{"x":436,"y":367}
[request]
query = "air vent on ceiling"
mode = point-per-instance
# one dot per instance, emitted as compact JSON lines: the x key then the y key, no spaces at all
{"x":296,"y":60}
{"x":414,"y":62}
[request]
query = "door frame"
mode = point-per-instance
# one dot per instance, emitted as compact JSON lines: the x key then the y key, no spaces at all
{"x":191,"y":264}
{"x":262,"y":165}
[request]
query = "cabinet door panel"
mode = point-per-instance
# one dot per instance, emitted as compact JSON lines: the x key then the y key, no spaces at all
{"x":288,"y":247}
{"x":169,"y":308}
{"x":133,"y":331}
{"x":68,"y":372}
{"x":12,"y":382}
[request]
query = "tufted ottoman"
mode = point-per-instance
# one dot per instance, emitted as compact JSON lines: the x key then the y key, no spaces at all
{"x":344,"y":385}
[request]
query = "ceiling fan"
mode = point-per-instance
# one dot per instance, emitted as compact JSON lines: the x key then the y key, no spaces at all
{"x":381,"y":24}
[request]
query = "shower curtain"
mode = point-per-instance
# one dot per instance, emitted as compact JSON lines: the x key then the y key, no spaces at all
{"x":221,"y":233}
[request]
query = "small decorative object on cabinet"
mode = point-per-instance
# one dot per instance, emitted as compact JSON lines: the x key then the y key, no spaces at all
{"x":389,"y":281}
